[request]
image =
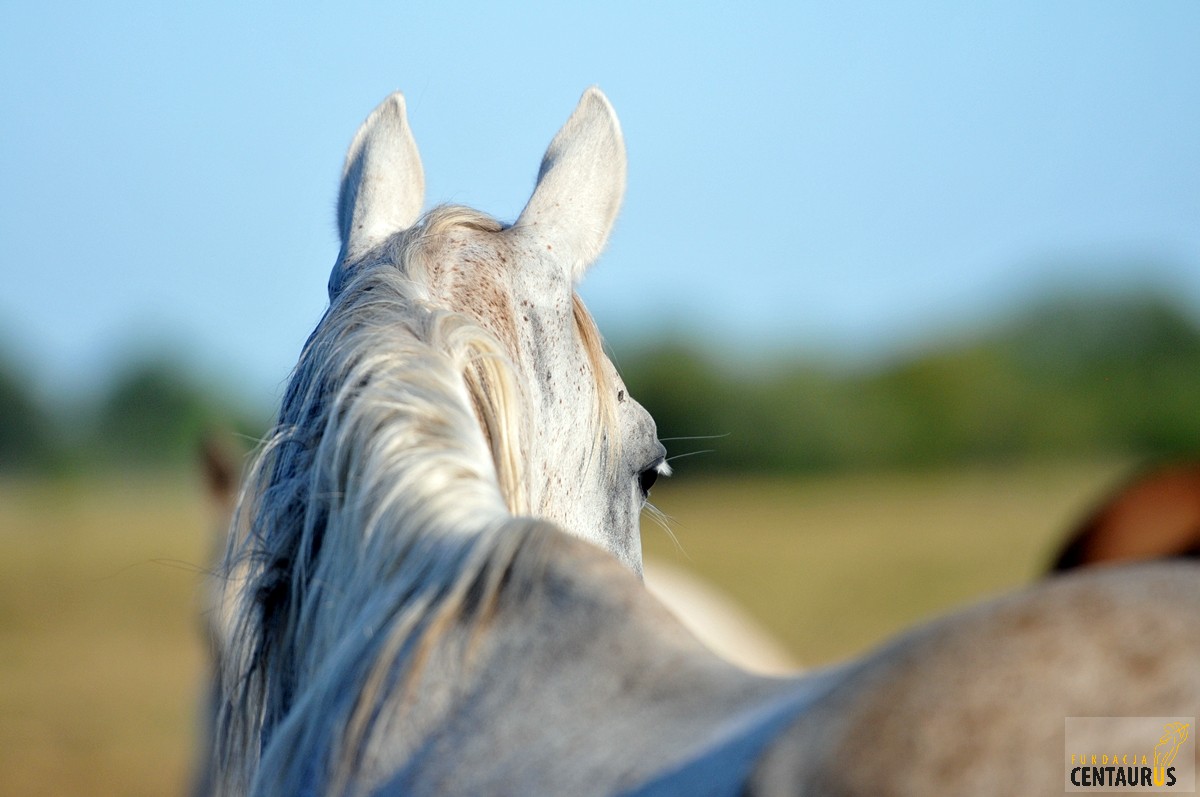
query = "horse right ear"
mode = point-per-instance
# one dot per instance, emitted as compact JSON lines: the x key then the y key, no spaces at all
{"x":383,"y":184}
{"x":580,"y":185}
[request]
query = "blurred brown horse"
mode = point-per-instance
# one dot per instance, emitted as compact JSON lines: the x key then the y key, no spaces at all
{"x":1154,"y":515}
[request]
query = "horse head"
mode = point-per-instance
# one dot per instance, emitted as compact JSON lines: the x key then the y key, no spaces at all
{"x":576,"y":449}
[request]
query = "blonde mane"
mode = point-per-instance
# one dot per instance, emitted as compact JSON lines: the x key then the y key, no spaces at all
{"x":392,"y":477}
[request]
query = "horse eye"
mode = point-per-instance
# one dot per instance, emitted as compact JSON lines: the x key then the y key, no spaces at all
{"x":649,"y":476}
{"x":646,"y":479}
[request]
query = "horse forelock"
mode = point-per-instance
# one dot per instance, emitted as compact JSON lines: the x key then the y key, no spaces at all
{"x":398,"y":453}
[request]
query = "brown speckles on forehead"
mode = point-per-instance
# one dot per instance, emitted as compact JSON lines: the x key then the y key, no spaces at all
{"x":467,"y":267}
{"x":481,"y":290}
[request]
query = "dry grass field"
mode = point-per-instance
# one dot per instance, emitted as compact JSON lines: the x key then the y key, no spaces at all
{"x":833,"y":565}
{"x":100,"y":654}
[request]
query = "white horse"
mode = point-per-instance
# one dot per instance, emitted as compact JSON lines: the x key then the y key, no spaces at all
{"x":433,"y":584}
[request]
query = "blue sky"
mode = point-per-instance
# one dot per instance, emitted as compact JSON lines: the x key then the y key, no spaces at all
{"x":809,"y":176}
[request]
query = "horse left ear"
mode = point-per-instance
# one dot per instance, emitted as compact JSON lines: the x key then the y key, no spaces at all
{"x":580,"y":185}
{"x":383,"y":183}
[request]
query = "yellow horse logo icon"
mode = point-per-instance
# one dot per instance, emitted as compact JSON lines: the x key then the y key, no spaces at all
{"x":1174,"y":734}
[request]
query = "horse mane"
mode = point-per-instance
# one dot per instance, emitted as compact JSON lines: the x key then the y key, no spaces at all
{"x":388,"y":491}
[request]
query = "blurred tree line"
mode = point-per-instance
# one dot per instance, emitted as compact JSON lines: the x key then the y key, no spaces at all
{"x":1069,"y":377}
{"x":1082,"y":377}
{"x":153,"y":414}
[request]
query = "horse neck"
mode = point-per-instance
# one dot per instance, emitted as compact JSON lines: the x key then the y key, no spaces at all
{"x":541,"y":631}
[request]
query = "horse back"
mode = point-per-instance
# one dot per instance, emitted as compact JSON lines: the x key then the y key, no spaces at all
{"x":976,"y":703}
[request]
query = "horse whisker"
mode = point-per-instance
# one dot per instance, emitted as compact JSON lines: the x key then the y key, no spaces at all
{"x":664,"y":521}
{"x":691,"y":453}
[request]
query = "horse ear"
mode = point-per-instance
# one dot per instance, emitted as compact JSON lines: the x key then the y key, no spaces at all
{"x":580,"y":185}
{"x":383,"y":184}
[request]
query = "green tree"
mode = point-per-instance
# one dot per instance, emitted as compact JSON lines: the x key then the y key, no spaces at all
{"x":26,"y":439}
{"x":156,"y":414}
